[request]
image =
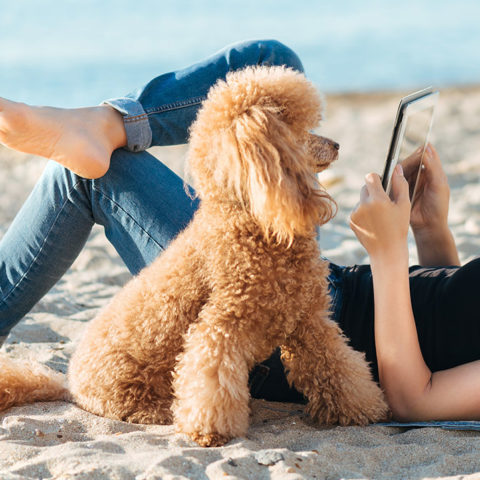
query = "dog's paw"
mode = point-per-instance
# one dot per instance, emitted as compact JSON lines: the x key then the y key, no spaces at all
{"x":367,"y":405}
{"x":361,"y":407}
{"x":150,"y":417}
{"x":209,"y":439}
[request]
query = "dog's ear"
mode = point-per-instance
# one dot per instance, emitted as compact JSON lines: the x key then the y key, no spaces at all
{"x":283,"y":193}
{"x":250,"y":142}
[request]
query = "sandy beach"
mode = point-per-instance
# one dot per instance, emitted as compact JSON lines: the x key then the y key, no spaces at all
{"x":58,"y":440}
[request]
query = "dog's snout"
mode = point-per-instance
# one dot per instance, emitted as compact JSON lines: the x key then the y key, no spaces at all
{"x":331,"y":143}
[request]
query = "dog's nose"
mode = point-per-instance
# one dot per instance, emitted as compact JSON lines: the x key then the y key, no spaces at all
{"x":336,"y":146}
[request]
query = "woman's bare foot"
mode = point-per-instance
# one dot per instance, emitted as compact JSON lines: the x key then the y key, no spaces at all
{"x":81,"y":139}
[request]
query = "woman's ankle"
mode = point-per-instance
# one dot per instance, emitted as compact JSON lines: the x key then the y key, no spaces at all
{"x":114,"y":127}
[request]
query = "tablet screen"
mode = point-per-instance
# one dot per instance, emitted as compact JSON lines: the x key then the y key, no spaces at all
{"x":413,"y":144}
{"x":410,"y":138}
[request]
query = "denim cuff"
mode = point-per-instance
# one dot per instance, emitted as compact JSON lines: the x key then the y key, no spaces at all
{"x":139,"y":133}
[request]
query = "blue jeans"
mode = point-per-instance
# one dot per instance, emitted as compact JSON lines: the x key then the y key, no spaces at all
{"x":140,"y":202}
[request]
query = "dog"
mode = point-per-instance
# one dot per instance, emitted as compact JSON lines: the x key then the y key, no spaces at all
{"x":246,"y":276}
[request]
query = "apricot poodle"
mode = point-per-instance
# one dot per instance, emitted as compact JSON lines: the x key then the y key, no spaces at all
{"x":177,"y":342}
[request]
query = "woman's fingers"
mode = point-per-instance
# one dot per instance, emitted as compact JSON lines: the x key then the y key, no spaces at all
{"x":374,"y":187}
{"x":400,"y":189}
{"x":364,"y":194}
{"x":433,"y":153}
{"x":433,"y":170}
{"x":380,"y":224}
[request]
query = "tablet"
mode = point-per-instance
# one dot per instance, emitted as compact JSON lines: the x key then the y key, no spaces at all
{"x":410,"y":138}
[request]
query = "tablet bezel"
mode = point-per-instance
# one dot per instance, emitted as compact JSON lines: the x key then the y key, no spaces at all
{"x":416,"y":101}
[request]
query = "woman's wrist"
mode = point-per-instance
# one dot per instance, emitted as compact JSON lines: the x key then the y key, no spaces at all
{"x":431,"y":231}
{"x":391,"y":261}
{"x":436,"y":246}
{"x":393,"y":251}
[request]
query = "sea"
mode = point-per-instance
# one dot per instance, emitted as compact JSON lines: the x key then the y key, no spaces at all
{"x":79,"y":52}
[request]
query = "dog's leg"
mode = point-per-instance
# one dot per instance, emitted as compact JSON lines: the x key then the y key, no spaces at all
{"x":210,"y":386}
{"x":334,"y":377}
{"x":112,"y":374}
{"x":123,"y":365}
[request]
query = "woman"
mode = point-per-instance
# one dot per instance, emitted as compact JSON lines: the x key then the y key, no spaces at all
{"x":142,"y":206}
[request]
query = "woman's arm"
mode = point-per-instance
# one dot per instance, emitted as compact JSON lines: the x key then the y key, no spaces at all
{"x":412,"y":390}
{"x":436,"y":247}
{"x":429,"y":216}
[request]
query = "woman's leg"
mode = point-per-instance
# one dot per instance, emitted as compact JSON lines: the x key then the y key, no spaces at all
{"x":161,"y":112}
{"x":140,"y":202}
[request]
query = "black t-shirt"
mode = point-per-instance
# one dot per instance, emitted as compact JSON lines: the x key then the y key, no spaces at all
{"x":446,"y":307}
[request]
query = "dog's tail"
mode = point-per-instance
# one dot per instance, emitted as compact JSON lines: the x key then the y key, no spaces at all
{"x":28,"y":381}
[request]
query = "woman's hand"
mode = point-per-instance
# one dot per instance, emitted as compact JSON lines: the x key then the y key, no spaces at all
{"x":429,"y":215}
{"x":380,"y":223}
{"x":430,"y":206}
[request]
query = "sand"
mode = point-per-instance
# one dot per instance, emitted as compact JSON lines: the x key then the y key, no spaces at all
{"x":58,"y":440}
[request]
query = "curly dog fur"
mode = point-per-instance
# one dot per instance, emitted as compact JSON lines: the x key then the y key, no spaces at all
{"x":244,"y":277}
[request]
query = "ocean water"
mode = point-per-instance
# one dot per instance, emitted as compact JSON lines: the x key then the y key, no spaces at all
{"x":78,"y":52}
